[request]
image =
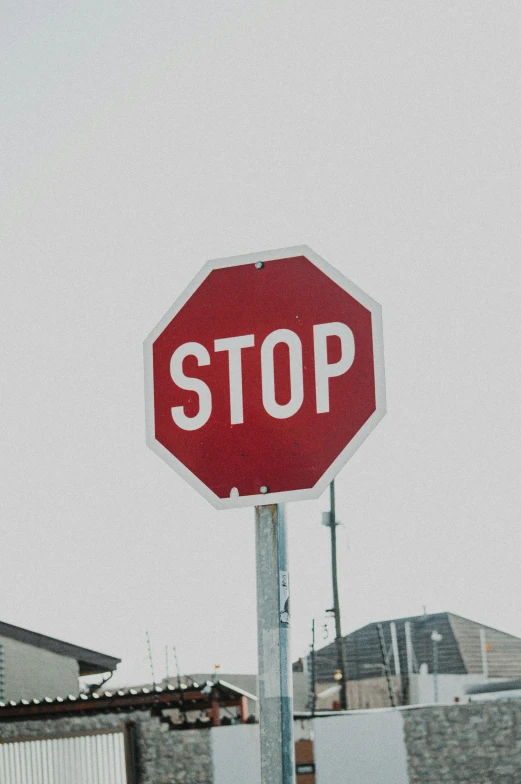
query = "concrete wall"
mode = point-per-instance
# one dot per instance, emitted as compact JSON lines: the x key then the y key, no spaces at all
{"x":355,"y":748}
{"x":236,"y":754}
{"x":34,"y":673}
{"x":360,"y":748}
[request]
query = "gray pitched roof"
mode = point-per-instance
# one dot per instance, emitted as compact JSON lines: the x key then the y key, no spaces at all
{"x":459,"y":650}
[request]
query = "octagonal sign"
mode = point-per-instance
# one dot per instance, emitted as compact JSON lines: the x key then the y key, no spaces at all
{"x":264,"y":377}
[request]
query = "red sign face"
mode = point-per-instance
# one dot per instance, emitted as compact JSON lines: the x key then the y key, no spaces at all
{"x":264,"y":378}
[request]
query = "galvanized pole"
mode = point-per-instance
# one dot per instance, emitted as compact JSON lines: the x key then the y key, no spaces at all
{"x":275,"y":675}
{"x":435,"y":668}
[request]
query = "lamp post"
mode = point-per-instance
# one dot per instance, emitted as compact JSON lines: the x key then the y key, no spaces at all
{"x":436,"y":638}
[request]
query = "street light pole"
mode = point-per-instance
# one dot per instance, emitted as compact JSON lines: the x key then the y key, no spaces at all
{"x":436,"y":638}
{"x":340,"y":651}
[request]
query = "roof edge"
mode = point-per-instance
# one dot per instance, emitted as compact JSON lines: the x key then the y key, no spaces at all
{"x":484,"y":625}
{"x":90,"y":662}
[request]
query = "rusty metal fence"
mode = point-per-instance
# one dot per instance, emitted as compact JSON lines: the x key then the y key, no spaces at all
{"x":98,"y":757}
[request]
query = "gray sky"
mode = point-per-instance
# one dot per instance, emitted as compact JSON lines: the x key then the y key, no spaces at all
{"x":140,"y":140}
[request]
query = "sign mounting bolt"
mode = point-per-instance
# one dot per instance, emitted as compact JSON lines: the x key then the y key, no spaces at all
{"x":264,"y":489}
{"x":259,"y":264}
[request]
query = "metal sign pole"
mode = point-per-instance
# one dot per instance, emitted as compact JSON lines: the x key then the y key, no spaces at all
{"x":275,"y":675}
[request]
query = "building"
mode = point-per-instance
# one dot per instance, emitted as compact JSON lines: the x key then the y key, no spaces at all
{"x":425,"y":659}
{"x":242,"y":681}
{"x":129,"y":736}
{"x":35,"y":666}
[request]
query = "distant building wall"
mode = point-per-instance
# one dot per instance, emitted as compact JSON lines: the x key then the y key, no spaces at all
{"x":450,"y":687}
{"x":407,"y":690}
{"x":35,"y":673}
{"x":374,"y":693}
{"x":301,"y":686}
{"x":2,"y":673}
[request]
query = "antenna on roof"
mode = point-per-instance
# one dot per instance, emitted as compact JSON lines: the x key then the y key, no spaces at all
{"x":150,"y":659}
{"x":182,"y":710}
{"x":92,"y":687}
{"x":167,"y":677}
{"x":178,"y":673}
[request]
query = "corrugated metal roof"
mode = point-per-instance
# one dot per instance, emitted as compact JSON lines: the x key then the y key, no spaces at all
{"x":194,"y":697}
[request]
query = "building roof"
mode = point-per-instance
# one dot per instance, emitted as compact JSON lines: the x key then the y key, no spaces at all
{"x":191,"y":698}
{"x":248,"y":682}
{"x":459,"y":651}
{"x":90,"y":662}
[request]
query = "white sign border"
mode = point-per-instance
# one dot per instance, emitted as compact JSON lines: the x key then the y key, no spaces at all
{"x":350,"y":449}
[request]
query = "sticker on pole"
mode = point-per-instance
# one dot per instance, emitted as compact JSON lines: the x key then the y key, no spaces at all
{"x":284,"y":597}
{"x":264,"y":378}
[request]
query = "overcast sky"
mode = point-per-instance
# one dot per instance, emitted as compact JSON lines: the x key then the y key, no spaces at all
{"x":140,"y":140}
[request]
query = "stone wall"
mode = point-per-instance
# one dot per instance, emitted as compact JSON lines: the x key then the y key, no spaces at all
{"x":164,"y":756}
{"x":479,"y":743}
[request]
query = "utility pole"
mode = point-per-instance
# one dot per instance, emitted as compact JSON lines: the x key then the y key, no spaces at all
{"x":312,"y":703}
{"x":340,"y":651}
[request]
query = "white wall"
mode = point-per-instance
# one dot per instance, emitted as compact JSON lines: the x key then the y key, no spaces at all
{"x":361,"y":748}
{"x":300,"y":691}
{"x":236,"y":754}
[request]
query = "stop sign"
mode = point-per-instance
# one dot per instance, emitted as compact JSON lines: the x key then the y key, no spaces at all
{"x":264,"y":377}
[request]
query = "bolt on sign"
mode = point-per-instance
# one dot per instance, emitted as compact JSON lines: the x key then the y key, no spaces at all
{"x":264,"y":377}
